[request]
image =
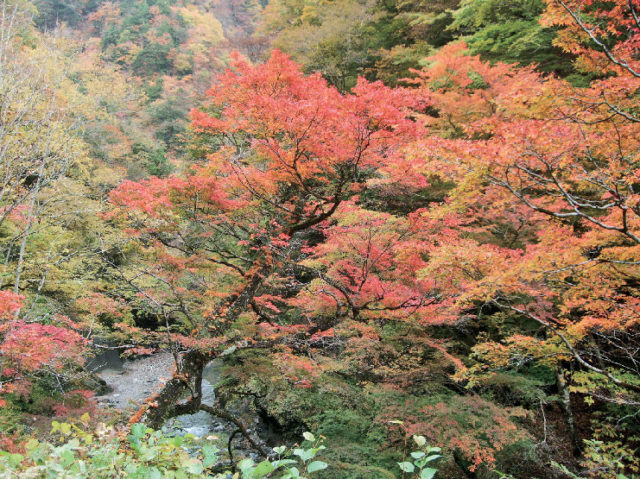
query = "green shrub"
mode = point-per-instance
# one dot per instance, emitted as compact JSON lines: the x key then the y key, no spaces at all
{"x":148,"y":454}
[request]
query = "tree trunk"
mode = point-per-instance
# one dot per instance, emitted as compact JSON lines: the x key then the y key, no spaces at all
{"x":188,"y":379}
{"x":27,"y":229}
{"x":167,"y":403}
{"x":565,"y":401}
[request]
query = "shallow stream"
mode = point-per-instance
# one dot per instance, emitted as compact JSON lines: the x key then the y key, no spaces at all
{"x":130,"y":382}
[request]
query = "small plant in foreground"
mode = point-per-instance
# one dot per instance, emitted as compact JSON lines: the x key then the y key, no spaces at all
{"x":147,"y":454}
{"x":420,"y":461}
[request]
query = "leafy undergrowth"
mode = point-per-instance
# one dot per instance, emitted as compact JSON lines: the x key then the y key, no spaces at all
{"x":360,"y":421}
{"x":76,"y":451}
{"x":106,"y":452}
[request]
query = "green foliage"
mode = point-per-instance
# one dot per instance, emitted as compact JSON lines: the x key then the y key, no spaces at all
{"x":386,"y":39}
{"x":335,"y":38}
{"x":169,"y":119}
{"x":153,"y":58}
{"x":290,"y":463}
{"x":515,"y":389}
{"x":134,"y":41}
{"x":354,"y":417}
{"x":154,"y":90}
{"x":419,"y":463}
{"x":147,"y":160}
{"x":147,"y":454}
{"x":509,"y":31}
{"x":53,"y":12}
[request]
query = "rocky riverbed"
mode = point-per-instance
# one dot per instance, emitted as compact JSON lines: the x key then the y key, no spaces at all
{"x":131,"y":382}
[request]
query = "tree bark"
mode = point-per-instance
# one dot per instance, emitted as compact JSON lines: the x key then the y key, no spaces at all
{"x":167,"y":403}
{"x":565,"y":401}
{"x":187,"y":379}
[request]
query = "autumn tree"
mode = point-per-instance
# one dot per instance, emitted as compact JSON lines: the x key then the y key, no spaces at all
{"x":545,"y":205}
{"x":29,"y":350}
{"x":49,"y":233}
{"x":248,"y":236}
{"x":36,"y":147}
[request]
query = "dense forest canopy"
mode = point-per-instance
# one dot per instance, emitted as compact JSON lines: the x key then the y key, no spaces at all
{"x":404,"y":235}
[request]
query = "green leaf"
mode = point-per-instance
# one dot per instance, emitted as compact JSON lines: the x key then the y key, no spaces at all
{"x":293,"y":472}
{"x":262,"y":469}
{"x":67,"y":458}
{"x":142,"y":471}
{"x":210,"y":455}
{"x":31,"y":444}
{"x":138,"y":430}
{"x":280,"y":449}
{"x":417,"y":454}
{"x":406,"y":466}
{"x":284,"y":462}
{"x":428,"y":473}
{"x":195,"y":467}
{"x":304,"y":454}
{"x":15,"y":459}
{"x":316,"y":466}
{"x":433,"y":458}
{"x":135,"y":443}
{"x":245,"y":464}
{"x":308,"y":436}
{"x":420,"y":440}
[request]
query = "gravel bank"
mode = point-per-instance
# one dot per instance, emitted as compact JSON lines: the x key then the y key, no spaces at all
{"x":137,"y":381}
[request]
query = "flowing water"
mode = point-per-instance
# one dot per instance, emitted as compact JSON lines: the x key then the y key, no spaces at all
{"x":131,"y":381}
{"x":107,"y":362}
{"x":201,"y":423}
